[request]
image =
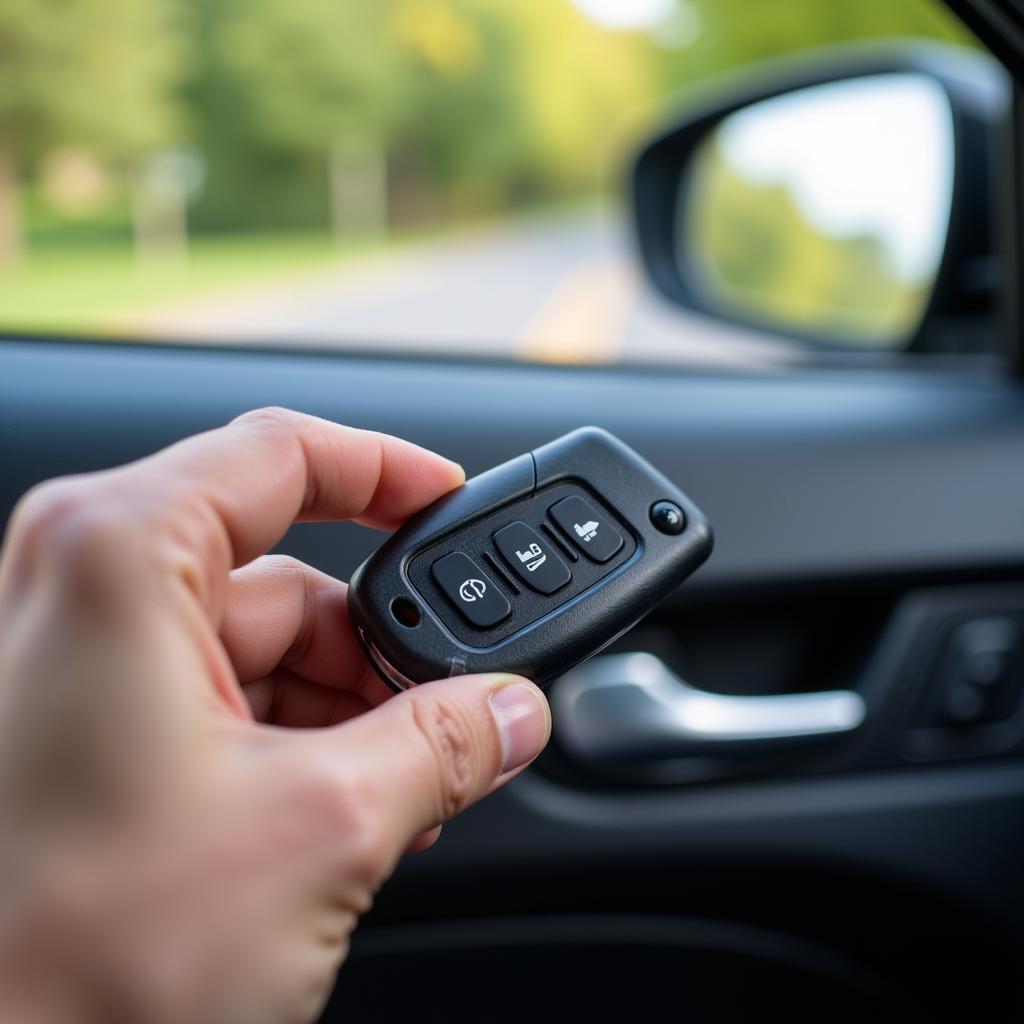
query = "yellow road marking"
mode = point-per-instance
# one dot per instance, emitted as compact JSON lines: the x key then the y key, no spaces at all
{"x":582,"y":319}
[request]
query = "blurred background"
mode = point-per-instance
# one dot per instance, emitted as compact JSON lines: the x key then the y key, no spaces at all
{"x":407,"y":175}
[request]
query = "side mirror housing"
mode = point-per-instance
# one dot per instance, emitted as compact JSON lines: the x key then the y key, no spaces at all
{"x":845,"y":199}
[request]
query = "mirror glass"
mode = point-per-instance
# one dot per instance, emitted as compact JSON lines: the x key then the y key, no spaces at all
{"x":823,"y":211}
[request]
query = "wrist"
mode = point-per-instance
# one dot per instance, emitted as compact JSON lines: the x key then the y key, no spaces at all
{"x":33,"y":988}
{"x":51,"y":927}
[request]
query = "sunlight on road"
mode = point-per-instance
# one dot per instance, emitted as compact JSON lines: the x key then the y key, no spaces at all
{"x":583,"y":319}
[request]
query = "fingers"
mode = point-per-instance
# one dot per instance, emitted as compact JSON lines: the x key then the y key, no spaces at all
{"x":425,"y":840}
{"x":280,"y":612}
{"x":283,"y":614}
{"x":272,"y":467}
{"x":287,"y":700}
{"x":425,"y":755}
{"x":219,"y":499}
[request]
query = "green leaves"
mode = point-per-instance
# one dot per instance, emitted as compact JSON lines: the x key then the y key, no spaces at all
{"x":97,"y":73}
{"x":472,"y":105}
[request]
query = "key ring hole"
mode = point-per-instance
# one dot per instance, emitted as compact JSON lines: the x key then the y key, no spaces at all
{"x":406,"y":612}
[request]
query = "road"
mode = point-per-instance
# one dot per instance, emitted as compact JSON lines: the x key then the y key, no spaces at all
{"x":563,"y":288}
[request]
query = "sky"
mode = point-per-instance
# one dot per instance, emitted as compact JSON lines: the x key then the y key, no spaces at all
{"x":628,"y":14}
{"x":869,"y":155}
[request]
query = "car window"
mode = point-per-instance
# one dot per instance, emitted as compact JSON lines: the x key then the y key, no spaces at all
{"x":427,"y":176}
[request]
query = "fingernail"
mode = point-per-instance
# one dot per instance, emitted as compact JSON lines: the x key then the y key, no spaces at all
{"x":522,"y":721}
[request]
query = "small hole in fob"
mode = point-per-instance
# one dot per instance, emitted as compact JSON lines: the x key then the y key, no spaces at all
{"x":405,"y":612}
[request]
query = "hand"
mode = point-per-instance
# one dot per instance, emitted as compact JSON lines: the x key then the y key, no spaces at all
{"x":202,"y":782}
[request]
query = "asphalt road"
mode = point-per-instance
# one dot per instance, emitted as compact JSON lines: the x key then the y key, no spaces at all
{"x":562,"y":288}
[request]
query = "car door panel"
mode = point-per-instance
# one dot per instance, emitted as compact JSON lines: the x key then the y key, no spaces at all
{"x":836,"y":497}
{"x":803,"y":475}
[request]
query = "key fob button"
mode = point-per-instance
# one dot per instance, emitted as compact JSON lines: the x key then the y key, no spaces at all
{"x":471,"y":591}
{"x":532,"y":558}
{"x":587,"y":528}
{"x":529,"y":568}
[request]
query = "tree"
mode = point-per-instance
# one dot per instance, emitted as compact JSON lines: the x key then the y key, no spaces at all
{"x":588,"y":90}
{"x":472,"y":105}
{"x":758,"y":252}
{"x":314,"y":77}
{"x":463,"y":142}
{"x":726,"y":34}
{"x":94,"y":73}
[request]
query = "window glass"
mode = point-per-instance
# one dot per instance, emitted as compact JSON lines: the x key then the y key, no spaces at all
{"x":428,"y":176}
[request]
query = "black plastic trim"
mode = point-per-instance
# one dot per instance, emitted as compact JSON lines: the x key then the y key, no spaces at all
{"x":979,"y":104}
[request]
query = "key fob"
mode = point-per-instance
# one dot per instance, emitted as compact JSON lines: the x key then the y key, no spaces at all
{"x":528,"y":568}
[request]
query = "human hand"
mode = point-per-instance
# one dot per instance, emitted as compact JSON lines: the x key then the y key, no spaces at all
{"x":202,"y":782}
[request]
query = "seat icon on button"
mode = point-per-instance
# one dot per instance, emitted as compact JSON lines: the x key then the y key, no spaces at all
{"x":590,"y":530}
{"x":587,"y":531}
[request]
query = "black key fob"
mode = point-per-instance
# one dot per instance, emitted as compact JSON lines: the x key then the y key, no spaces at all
{"x":528,"y":568}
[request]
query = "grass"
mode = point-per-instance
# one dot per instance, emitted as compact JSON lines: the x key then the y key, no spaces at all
{"x":68,"y":287}
{"x":92,"y":284}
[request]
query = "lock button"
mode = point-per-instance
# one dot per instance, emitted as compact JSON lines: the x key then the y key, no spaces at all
{"x":532,"y":558}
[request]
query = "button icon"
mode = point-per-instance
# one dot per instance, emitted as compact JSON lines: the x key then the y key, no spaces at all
{"x":587,"y":531}
{"x":533,"y":557}
{"x":472,"y":590}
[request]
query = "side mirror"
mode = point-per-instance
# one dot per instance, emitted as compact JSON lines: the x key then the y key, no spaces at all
{"x":847,"y":200}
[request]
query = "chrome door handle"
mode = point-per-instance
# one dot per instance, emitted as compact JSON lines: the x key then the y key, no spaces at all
{"x":631,"y":708}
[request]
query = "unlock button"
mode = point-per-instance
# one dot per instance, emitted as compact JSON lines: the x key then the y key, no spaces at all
{"x":531,"y":558}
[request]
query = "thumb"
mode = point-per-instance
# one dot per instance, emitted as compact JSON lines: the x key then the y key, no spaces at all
{"x":423,"y":756}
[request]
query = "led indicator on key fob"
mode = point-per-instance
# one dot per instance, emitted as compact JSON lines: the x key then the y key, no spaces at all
{"x":530,"y":567}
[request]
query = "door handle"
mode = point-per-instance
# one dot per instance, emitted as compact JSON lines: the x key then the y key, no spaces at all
{"x":622,"y":709}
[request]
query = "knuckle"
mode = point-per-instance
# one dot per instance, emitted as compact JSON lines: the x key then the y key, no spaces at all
{"x":453,"y":747}
{"x":285,"y":569}
{"x":348,"y":808}
{"x":47,"y":506}
{"x":282,"y":563}
{"x":285,"y":431}
{"x":70,"y":517}
{"x":272,"y":417}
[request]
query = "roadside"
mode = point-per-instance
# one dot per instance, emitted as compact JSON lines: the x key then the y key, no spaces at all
{"x":554,"y":286}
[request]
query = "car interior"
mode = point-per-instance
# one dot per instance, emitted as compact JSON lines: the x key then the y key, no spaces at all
{"x":787,"y":276}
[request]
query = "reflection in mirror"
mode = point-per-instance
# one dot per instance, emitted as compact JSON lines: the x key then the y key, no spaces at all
{"x":824,"y":211}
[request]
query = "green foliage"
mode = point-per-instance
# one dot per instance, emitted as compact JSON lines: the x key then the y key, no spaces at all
{"x":729,"y":34}
{"x":464,"y":133}
{"x":755,"y":251}
{"x":477,"y":105}
{"x":96,"y":73}
{"x":102,"y":289}
{"x":311,"y":73}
